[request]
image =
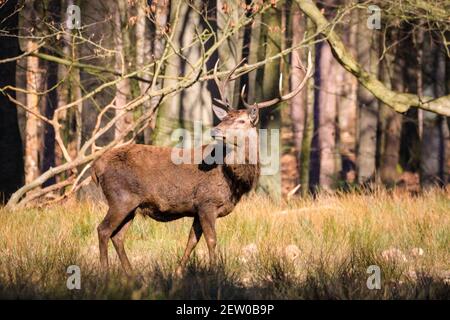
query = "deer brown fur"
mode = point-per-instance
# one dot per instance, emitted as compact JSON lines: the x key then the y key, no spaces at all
{"x":140,"y":178}
{"x":144,"y":177}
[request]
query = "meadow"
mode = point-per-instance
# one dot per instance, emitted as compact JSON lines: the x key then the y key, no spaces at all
{"x":315,"y":248}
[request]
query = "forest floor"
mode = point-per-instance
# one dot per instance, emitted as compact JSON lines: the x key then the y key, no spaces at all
{"x":302,"y":249}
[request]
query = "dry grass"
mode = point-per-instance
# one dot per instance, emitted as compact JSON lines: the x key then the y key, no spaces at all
{"x":312,"y":249}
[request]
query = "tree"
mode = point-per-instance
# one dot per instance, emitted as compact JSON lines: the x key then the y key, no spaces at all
{"x":34,"y":85}
{"x":305,"y":155}
{"x":271,"y":37}
{"x":432,"y":146}
{"x":399,"y":101}
{"x":348,"y":105}
{"x":108,"y":89}
{"x":53,"y":13}
{"x":298,"y":103}
{"x":100,"y":22}
{"x":11,"y":157}
{"x":392,"y":73}
{"x":327,"y":107}
{"x":144,"y":50}
{"x":230,"y":53}
{"x":368,"y":43}
{"x":182,"y":110}
{"x":90,"y":54}
{"x":122,"y":59}
{"x":255,"y":55}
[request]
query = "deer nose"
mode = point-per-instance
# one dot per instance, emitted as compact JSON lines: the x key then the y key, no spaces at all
{"x":216,"y":132}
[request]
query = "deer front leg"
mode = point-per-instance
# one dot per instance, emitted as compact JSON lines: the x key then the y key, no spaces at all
{"x":208,"y":224}
{"x":194,"y":236}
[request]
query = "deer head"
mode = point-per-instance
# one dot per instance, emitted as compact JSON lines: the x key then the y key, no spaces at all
{"x":246,"y":119}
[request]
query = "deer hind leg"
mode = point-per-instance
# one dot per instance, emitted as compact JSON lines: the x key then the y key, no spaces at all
{"x":118,"y":238}
{"x":208,"y":224}
{"x":194,"y":236}
{"x":106,"y":228}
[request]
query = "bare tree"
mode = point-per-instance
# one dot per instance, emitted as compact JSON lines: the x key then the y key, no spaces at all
{"x":122,"y":43}
{"x":393,"y":76}
{"x":305,"y":155}
{"x":432,"y":147}
{"x":34,"y":84}
{"x":230,"y":54}
{"x":368,"y":105}
{"x":103,"y":80}
{"x":96,"y":83}
{"x":143,"y":54}
{"x":348,"y":105}
{"x":298,"y":103}
{"x":271,"y":37}
{"x":327,"y":117}
{"x":11,"y":170}
{"x":399,"y":101}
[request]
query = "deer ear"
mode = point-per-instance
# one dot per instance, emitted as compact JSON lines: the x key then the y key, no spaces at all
{"x":219,"y":112}
{"x":253,"y":113}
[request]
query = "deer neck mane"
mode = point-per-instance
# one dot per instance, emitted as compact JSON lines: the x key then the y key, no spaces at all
{"x":243,"y":175}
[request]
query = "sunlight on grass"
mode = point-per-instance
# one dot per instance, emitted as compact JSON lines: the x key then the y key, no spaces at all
{"x":306,"y":248}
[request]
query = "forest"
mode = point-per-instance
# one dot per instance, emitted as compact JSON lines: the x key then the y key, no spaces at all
{"x":368,"y":134}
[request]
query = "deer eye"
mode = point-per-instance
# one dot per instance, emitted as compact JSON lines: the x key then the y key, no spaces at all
{"x":241,"y":121}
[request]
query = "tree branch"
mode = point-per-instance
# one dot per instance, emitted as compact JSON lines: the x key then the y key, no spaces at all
{"x":84,"y":66}
{"x":400,"y":102}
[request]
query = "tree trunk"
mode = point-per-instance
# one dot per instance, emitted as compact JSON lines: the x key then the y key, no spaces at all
{"x":11,"y":157}
{"x":347,"y":111}
{"x":432,"y":148}
{"x":168,"y":116}
{"x":51,"y":101}
{"x":143,"y":54}
{"x":368,"y":105}
{"x":149,"y":47}
{"x":288,"y":161}
{"x":270,"y":146}
{"x":34,"y":82}
{"x":82,"y":120}
{"x":161,"y":18}
{"x":392,"y":74}
{"x":298,"y":103}
{"x":193,"y":105}
{"x":305,"y":154}
{"x":327,"y":116}
{"x":123,"y":89}
{"x":255,"y":55}
{"x":230,"y":53}
{"x":399,"y":101}
{"x":63,"y":91}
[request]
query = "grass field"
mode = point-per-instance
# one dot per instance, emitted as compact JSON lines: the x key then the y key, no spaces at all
{"x":303,"y":249}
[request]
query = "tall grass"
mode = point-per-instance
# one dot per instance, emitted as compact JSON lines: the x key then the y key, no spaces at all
{"x":303,"y":249}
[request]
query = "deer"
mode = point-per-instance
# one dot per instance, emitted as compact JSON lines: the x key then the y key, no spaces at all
{"x":143,"y":179}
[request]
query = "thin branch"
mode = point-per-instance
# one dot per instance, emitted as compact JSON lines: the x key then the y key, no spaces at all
{"x":400,"y":102}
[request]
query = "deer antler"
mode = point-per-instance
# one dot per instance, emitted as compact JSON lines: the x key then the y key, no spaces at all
{"x":264,"y":104}
{"x":221,"y":85}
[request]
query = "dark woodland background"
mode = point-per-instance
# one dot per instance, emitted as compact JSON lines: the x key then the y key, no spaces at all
{"x":334,"y":135}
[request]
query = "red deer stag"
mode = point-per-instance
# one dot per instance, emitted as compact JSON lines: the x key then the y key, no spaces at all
{"x":144,"y":177}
